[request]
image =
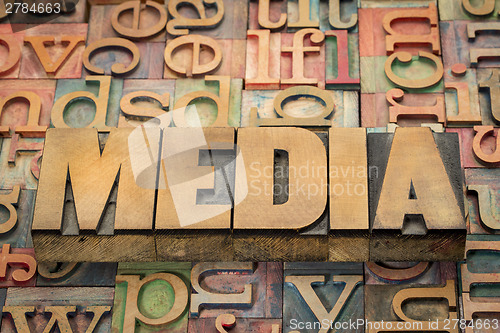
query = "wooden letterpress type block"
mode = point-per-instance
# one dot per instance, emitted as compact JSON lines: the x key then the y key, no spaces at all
{"x":91,"y":102}
{"x":383,"y":31}
{"x":114,"y":223}
{"x":196,"y":55}
{"x":234,"y":325}
{"x":315,"y":294}
{"x":303,"y":58}
{"x":428,"y":307}
{"x":342,"y":59}
{"x":478,"y":146}
{"x":421,"y":72}
{"x":19,"y":162}
{"x":11,"y":54}
{"x":243,"y":289}
{"x":339,"y":15}
{"x":489,"y":95}
{"x":151,"y":297}
{"x":302,"y":14}
{"x":3,"y":295}
{"x":25,"y":107}
{"x":410,"y":209}
{"x":349,"y":235}
{"x":224,"y":109}
{"x":262,"y":60}
{"x":483,"y":195}
{"x":396,"y":3}
{"x":273,"y":188}
{"x":450,"y":10}
{"x":109,"y":21}
{"x":469,"y":42}
{"x":222,"y":20}
{"x":16,"y":216}
{"x":18,"y":267}
{"x":62,"y":12}
{"x":71,"y":274}
{"x":267,"y":14}
{"x":404,"y":109}
{"x":461,"y":96}
{"x":409,"y":273}
{"x":145,"y":99}
{"x":58,"y":309}
{"x":196,"y":194}
{"x":123,"y":58}
{"x":300,"y":106}
{"x":479,"y":283}
{"x":53,"y":51}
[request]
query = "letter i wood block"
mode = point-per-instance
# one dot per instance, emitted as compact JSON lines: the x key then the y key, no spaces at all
{"x":69,"y":309}
{"x":322,"y":294}
{"x":483,"y":195}
{"x":412,"y":211}
{"x":348,"y":238}
{"x":151,"y":297}
{"x":480,"y":280}
{"x":281,"y":195}
{"x":115,"y":222}
{"x":471,"y":42}
{"x":251,"y":292}
{"x":16,"y":215}
{"x":195,"y":194}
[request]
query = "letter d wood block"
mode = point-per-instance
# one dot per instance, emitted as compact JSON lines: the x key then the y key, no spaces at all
{"x":416,"y":196}
{"x":282,"y":198}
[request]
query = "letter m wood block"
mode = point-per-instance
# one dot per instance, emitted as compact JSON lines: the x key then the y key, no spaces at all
{"x":416,"y":196}
{"x":89,"y":206}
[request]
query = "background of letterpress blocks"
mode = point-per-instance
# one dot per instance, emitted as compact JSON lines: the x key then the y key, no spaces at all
{"x":42,"y":301}
{"x":20,"y":212}
{"x":301,"y":303}
{"x":258,"y":307}
{"x":274,"y":301}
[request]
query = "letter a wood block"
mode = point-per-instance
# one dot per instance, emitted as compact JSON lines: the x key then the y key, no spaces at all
{"x":281,"y":197}
{"x":416,"y":196}
{"x":90,"y":206}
